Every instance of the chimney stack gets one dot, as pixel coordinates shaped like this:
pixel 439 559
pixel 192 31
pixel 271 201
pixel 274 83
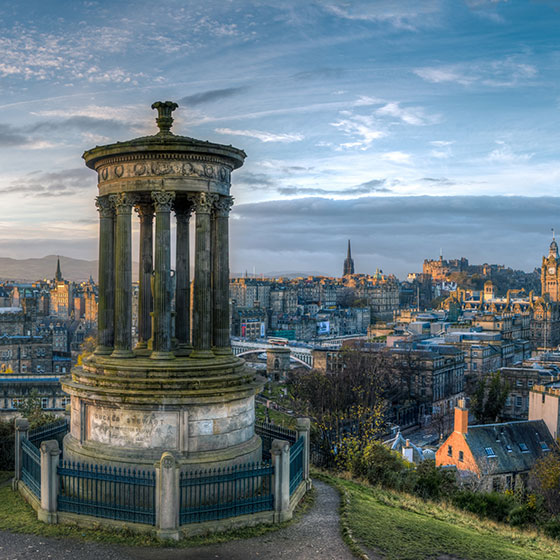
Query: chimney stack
pixel 461 417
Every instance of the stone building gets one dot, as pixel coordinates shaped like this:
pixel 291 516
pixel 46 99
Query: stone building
pixel 62 296
pixel 544 404
pixel 348 268
pixel 14 389
pixel 26 354
pixel 440 269
pixel 496 457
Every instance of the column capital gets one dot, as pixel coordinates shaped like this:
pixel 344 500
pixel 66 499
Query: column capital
pixel 223 206
pixel 144 209
pixel 163 200
pixel 123 202
pixel 104 207
pixel 203 202
pixel 183 209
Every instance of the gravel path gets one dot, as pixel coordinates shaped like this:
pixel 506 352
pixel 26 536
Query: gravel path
pixel 316 535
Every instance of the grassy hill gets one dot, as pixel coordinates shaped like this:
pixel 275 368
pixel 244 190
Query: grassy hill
pixel 396 526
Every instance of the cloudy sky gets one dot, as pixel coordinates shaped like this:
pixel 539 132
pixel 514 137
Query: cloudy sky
pixel 406 126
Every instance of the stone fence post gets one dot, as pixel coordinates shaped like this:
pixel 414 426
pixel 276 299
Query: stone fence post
pixel 22 429
pixel 50 453
pixel 303 428
pixel 167 497
pixel 280 451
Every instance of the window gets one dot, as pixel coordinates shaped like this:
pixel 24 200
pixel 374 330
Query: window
pixel 450 450
pixel 16 403
pixel 509 448
pixel 44 402
pixel 524 448
pixel 519 383
pixel 496 484
pixel 544 446
pixel 474 365
pixel 489 452
pixel 461 456
pixel 518 401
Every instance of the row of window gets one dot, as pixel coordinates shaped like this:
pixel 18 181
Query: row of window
pixel 17 402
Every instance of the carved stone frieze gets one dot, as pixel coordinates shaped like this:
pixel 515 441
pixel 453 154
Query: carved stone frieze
pixel 162 168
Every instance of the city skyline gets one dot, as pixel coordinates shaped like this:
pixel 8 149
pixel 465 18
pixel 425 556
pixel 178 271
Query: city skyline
pixel 387 124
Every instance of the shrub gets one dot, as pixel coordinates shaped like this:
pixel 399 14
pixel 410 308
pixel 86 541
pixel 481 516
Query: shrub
pixel 552 528
pixel 433 483
pixel 492 505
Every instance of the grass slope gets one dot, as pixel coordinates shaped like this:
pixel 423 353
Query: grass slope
pixel 402 527
pixel 17 516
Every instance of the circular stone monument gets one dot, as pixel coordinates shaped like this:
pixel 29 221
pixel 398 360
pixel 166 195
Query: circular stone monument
pixel 180 389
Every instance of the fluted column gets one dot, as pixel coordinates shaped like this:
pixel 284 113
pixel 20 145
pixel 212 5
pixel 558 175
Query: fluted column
pixel 145 304
pixel 183 210
pixel 106 296
pixel 220 275
pixel 202 315
pixel 123 276
pixel 162 276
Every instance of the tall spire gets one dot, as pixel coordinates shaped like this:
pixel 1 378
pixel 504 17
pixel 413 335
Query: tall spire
pixel 58 276
pixel 553 252
pixel 349 262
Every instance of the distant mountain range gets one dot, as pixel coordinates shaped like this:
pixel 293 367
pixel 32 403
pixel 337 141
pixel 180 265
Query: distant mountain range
pixel 30 270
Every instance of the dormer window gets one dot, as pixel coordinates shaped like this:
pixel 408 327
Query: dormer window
pixel 489 452
pixel 509 448
pixel 524 448
pixel 544 446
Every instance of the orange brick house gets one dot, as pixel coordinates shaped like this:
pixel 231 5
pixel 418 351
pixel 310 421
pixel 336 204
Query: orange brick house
pixel 495 456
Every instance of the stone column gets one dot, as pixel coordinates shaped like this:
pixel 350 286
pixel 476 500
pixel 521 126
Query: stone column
pixel 303 428
pixel 220 275
pixel 106 295
pixel 167 497
pixel 280 452
pixel 162 277
pixel 50 453
pixel 145 303
pixel 183 210
pixel 202 316
pixel 123 276
pixel 22 429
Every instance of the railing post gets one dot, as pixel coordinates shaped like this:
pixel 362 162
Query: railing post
pixel 50 452
pixel 167 497
pixel 22 429
pixel 280 451
pixel 303 427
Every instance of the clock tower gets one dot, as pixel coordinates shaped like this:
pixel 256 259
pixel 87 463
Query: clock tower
pixel 550 273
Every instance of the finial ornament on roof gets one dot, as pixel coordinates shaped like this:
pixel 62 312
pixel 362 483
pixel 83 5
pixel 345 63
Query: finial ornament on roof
pixel 164 119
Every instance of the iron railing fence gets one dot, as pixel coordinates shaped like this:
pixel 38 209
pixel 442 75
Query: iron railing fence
pixel 31 466
pixel 56 430
pixel 296 464
pixel 268 432
pixel 220 493
pixel 110 492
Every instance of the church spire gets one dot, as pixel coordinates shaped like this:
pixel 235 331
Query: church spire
pixel 349 262
pixel 553 246
pixel 58 276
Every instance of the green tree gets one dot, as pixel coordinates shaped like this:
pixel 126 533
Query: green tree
pixel 31 409
pixel 489 399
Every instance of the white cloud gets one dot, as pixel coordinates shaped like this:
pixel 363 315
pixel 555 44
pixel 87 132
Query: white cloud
pixel 362 128
pixel 396 157
pixel 263 136
pixel 442 142
pixel 404 14
pixel 507 72
pixel 504 154
pixel 414 115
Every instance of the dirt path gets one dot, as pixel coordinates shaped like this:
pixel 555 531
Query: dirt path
pixel 315 535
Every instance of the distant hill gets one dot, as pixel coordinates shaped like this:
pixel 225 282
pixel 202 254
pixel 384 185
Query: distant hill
pixel 30 270
pixel 277 274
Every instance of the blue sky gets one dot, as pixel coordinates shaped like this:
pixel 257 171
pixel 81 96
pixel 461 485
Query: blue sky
pixel 351 113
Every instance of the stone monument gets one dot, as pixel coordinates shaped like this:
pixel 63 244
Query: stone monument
pixel 180 389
